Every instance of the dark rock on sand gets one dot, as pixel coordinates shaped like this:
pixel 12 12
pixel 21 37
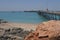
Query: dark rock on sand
pixel 13 34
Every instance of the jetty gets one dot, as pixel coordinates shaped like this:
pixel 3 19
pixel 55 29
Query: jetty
pixel 50 15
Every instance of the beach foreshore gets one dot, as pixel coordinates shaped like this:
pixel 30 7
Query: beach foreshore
pixel 15 31
pixel 25 26
pixel 22 31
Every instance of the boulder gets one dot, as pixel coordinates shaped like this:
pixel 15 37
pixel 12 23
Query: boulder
pixel 46 31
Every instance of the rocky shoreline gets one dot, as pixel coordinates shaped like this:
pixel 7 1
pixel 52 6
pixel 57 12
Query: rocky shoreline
pixel 13 34
pixel 15 31
pixel 46 31
pixel 18 31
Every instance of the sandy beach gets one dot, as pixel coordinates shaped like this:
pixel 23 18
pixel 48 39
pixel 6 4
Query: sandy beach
pixel 25 26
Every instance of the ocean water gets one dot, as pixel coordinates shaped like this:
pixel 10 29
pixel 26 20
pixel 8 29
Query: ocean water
pixel 22 17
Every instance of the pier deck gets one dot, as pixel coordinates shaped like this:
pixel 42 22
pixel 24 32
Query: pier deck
pixel 50 15
pixel 50 12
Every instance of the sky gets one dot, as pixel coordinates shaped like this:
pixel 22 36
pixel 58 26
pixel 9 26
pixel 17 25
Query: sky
pixel 21 5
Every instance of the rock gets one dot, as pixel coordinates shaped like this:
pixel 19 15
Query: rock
pixel 46 31
pixel 4 21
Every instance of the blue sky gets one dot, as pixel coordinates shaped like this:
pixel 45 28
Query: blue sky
pixel 21 5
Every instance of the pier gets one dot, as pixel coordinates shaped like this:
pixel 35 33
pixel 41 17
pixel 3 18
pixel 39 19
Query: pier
pixel 50 15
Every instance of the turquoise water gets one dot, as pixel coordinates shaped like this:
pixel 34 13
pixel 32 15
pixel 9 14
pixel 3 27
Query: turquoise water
pixel 22 17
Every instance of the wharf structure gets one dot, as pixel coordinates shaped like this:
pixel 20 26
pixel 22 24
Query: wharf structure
pixel 50 15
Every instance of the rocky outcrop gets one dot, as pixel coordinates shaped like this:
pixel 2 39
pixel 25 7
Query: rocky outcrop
pixel 46 31
pixel 13 34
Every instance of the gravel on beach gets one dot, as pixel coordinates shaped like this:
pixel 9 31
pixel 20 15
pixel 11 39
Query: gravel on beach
pixel 15 31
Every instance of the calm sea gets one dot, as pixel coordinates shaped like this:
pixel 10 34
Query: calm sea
pixel 22 17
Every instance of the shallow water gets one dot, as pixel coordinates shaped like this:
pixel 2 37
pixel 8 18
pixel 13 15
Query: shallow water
pixel 22 17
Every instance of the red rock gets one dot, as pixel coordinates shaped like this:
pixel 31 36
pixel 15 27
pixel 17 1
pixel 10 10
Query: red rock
pixel 46 31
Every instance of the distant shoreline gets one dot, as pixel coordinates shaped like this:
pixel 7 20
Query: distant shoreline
pixel 30 11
